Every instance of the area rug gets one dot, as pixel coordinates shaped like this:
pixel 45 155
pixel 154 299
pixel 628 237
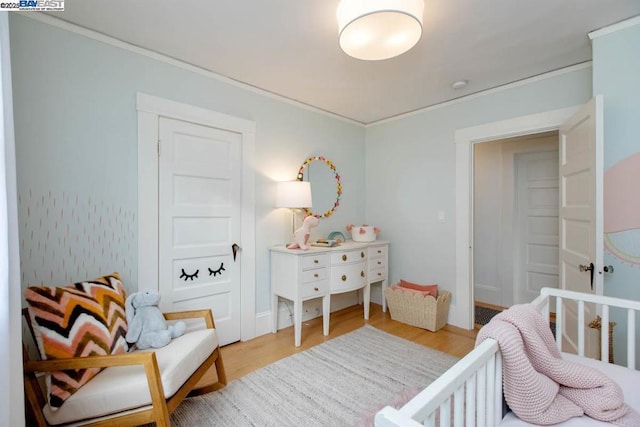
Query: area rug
pixel 337 383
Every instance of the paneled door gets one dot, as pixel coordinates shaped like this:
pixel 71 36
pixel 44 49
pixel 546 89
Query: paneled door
pixel 200 182
pixel 536 224
pixel 581 221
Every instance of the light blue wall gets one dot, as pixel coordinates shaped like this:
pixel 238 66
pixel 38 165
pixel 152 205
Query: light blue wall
pixel 76 138
pixel 616 76
pixel 410 171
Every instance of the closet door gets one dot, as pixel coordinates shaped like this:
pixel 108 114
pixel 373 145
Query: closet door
pixel 200 177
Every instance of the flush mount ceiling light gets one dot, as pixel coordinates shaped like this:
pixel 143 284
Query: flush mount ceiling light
pixel 379 29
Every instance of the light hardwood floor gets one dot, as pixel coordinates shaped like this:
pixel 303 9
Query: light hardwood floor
pixel 244 357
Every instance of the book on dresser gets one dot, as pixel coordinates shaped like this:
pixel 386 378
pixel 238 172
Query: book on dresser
pixel 324 243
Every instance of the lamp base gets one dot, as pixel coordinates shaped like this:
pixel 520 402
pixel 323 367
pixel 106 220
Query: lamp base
pixel 293 222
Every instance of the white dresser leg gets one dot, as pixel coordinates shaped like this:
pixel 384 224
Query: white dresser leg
pixel 367 300
pixel 274 312
pixel 326 306
pixel 297 322
pixel 383 286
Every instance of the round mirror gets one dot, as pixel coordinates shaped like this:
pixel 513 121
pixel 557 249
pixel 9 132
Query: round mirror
pixel 326 188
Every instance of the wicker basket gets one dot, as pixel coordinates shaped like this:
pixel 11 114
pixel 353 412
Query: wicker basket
pixel 418 310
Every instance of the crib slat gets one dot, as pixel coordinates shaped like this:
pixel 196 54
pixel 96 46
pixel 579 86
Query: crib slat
pixel 497 396
pixel 581 326
pixel 631 339
pixel 471 401
pixel 481 396
pixel 604 333
pixel 559 323
pixel 491 377
pixel 445 413
pixel 458 408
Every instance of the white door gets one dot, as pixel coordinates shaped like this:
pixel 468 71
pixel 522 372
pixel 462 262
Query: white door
pixel 536 224
pixel 200 173
pixel 581 221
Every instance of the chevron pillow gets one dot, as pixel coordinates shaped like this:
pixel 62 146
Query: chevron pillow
pixel 82 319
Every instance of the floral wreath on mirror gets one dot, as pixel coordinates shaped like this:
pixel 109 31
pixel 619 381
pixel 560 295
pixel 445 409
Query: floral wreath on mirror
pixel 329 163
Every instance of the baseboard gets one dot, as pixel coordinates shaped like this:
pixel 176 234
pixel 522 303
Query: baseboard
pixel 310 310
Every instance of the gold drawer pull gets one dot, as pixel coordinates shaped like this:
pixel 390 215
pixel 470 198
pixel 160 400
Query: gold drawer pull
pixel 379 262
pixel 316 275
pixel 361 254
pixel 379 274
pixel 315 261
pixel 344 277
pixel 344 257
pixel 379 251
pixel 362 274
pixel 316 289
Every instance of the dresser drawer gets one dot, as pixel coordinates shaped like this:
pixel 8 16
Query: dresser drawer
pixel 348 277
pixel 377 274
pixel 377 252
pixel 314 261
pixel 314 275
pixel 345 257
pixel 377 263
pixel 314 289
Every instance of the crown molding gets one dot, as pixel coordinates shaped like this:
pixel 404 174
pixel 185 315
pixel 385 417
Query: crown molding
pixel 497 89
pixel 103 38
pixel 627 23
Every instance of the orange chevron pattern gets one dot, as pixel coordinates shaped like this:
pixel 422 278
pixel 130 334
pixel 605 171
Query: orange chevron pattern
pixel 82 319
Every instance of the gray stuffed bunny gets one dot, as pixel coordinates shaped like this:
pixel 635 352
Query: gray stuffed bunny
pixel 147 326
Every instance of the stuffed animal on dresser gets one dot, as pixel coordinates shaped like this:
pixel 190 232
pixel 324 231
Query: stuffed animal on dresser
pixel 301 235
pixel 147 326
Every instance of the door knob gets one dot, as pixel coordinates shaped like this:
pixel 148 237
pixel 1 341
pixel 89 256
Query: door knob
pixel 235 248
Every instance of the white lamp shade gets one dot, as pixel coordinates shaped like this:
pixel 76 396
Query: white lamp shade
pixel 293 194
pixel 379 29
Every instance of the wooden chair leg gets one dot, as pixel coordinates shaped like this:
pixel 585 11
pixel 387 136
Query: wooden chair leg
pixel 33 414
pixel 221 378
pixel 222 375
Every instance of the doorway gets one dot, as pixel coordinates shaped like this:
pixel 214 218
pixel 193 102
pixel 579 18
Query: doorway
pixel 465 140
pixel 515 221
pixel 581 147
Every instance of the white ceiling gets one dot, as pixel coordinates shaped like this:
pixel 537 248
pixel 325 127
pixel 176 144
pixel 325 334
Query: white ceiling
pixel 290 47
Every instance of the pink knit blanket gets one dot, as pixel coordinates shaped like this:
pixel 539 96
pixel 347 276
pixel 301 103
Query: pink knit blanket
pixel 542 388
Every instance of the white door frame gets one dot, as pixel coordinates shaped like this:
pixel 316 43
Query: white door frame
pixel 465 139
pixel 150 109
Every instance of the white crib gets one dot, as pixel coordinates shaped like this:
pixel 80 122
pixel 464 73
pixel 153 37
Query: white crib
pixel 470 392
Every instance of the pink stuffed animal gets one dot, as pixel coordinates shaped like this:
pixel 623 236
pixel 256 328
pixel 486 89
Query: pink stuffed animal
pixel 301 235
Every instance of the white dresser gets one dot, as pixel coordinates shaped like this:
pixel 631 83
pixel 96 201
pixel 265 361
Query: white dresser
pixel 299 276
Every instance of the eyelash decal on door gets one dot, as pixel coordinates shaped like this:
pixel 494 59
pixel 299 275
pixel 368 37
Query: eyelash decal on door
pixel 189 276
pixel 218 271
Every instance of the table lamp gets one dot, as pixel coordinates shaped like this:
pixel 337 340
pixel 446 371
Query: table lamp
pixel 293 195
